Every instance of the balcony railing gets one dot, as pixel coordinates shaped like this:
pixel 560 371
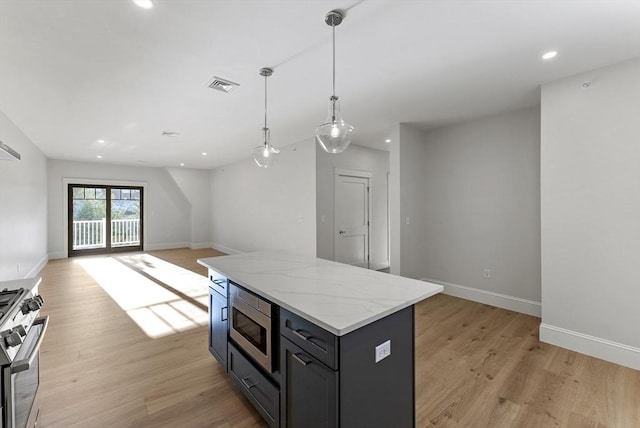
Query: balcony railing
pixel 91 233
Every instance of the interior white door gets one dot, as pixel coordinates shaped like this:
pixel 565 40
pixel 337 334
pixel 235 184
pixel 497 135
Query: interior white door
pixel 351 239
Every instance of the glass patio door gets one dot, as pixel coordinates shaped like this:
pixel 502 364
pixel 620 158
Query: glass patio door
pixel 104 219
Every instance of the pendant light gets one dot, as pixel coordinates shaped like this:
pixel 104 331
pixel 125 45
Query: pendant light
pixel 265 154
pixel 334 135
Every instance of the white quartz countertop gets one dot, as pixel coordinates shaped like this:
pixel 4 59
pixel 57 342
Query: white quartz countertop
pixel 29 284
pixel 337 297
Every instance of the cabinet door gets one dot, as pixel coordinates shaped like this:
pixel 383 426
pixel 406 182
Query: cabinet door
pixel 309 394
pixel 218 326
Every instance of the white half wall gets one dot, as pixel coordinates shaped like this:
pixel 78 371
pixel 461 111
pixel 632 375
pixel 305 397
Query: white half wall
pixel 481 193
pixel 394 200
pixel 361 159
pixel 406 208
pixel 257 209
pixel 167 212
pixel 23 206
pixel 590 202
pixel 196 187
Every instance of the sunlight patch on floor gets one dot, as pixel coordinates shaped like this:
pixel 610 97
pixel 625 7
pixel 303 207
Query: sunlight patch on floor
pixel 155 309
pixel 183 280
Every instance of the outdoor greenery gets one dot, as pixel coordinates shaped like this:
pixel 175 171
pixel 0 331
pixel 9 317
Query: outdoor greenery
pixel 89 209
pixel 91 204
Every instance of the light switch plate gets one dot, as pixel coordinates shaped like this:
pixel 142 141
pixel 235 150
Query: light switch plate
pixel 383 351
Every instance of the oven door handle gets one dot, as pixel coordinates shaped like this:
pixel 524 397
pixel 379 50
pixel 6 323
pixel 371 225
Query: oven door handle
pixel 25 364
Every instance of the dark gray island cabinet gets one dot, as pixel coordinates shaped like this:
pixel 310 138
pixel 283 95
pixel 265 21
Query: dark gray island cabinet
pixel 340 339
pixel 330 381
pixel 218 317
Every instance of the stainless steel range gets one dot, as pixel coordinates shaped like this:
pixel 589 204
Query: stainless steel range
pixel 21 333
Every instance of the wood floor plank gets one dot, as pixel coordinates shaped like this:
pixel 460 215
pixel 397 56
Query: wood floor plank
pixel 476 366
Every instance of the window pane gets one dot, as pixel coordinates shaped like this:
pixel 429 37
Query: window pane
pixel 126 194
pixel 101 193
pixel 115 193
pixel 135 194
pixel 78 193
pixel 89 193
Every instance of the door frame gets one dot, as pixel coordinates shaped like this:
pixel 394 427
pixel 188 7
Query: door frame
pixel 91 181
pixel 358 174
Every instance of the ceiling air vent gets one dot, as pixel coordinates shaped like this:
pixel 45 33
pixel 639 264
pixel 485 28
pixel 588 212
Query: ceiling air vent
pixel 221 84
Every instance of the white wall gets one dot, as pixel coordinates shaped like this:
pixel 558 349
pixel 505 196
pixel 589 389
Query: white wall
pixel 23 206
pixel 407 201
pixel 590 199
pixel 482 208
pixel 254 209
pixel 361 159
pixel 395 226
pixel 167 212
pixel 195 184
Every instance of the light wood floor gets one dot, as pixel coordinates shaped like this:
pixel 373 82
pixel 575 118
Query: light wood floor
pixel 476 366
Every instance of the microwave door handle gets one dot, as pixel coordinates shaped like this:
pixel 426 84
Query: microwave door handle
pixel 25 364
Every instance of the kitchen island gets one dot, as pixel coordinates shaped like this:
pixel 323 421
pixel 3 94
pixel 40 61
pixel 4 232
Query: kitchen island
pixel 30 284
pixel 340 341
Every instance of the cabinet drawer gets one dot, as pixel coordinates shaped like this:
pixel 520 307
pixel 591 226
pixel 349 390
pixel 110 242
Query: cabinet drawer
pixel 264 396
pixel 218 282
pixel 315 340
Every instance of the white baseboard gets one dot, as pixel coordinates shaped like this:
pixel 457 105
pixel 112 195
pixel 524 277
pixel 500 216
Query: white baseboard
pixel 200 245
pixel 378 265
pixel 524 306
pixel 38 267
pixel 166 246
pixel 607 350
pixel 58 255
pixel 225 250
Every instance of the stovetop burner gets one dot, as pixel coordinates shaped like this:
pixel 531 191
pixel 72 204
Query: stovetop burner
pixel 7 299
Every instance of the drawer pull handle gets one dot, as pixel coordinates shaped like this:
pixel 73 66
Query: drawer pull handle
pixel 224 317
pixel 315 341
pixel 246 383
pixel 300 360
pixel 301 335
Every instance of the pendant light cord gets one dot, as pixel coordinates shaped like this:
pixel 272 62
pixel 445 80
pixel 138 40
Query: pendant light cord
pixel 333 26
pixel 265 102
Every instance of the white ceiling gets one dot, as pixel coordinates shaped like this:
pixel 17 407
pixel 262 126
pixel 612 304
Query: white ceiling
pixel 75 71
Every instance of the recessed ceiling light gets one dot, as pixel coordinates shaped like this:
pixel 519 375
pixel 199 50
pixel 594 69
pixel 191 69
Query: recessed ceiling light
pixel 100 141
pixel 204 153
pixel 181 163
pixel 99 156
pixel 388 140
pixel 549 55
pixel 145 4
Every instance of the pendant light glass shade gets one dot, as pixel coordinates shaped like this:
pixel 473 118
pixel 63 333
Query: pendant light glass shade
pixel 265 155
pixel 335 135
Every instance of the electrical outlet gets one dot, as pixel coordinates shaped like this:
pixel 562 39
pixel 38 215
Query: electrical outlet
pixel 408 220
pixel 383 351
pixel 487 274
pixel 323 219
pixel 18 267
pixel 299 219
